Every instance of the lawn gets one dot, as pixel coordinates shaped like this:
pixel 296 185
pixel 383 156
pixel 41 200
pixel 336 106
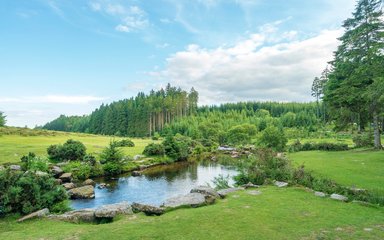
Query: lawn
pixel 359 168
pixel 14 146
pixel 290 213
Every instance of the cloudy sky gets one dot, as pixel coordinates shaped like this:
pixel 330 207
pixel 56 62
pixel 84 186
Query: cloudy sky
pixel 67 57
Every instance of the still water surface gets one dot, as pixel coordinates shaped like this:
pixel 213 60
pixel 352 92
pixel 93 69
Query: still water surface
pixel 156 184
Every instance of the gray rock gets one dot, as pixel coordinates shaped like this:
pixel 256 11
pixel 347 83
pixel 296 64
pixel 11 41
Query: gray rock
pixel 66 177
pixel 58 181
pixel 77 216
pixel 40 173
pixel 205 190
pixel 57 171
pixel 15 167
pixel 254 192
pixel 339 197
pixel 320 194
pixel 2 168
pixel 102 185
pixel 281 184
pixel 111 210
pixel 250 185
pixel 84 192
pixel 147 209
pixel 136 173
pixel 38 214
pixel 69 186
pixel 192 199
pixel 224 192
pixel 89 182
pixel 138 157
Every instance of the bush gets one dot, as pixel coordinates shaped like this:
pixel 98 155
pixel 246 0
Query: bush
pixel 177 147
pixel 124 143
pixel 27 192
pixel 111 153
pixel 156 136
pixel 323 146
pixel 154 149
pixel 70 150
pixel 363 140
pixel 112 168
pixel 221 182
pixel 33 163
pixel 274 138
pixel 90 159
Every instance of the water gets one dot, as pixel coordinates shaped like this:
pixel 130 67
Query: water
pixel 156 184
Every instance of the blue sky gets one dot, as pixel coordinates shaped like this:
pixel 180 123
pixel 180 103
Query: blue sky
pixel 62 56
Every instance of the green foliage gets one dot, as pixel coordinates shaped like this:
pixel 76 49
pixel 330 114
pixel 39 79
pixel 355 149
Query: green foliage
pixel 83 170
pixel 221 182
pixel 363 140
pixel 70 150
pixel 177 147
pixel 154 149
pixel 27 192
pixel 321 146
pixel 34 163
pixel 274 138
pixel 3 121
pixel 241 134
pixel 124 143
pixel 61 207
pixel 90 159
pixel 111 153
pixel 112 168
pixel 156 136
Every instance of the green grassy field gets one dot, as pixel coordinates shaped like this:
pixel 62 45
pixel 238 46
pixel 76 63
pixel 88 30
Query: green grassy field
pixel 359 168
pixel 14 146
pixel 289 213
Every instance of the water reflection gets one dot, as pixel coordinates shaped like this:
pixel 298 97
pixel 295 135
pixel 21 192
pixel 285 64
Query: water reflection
pixel 156 184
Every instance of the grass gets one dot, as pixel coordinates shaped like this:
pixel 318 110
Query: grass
pixel 290 213
pixel 13 146
pixel 355 168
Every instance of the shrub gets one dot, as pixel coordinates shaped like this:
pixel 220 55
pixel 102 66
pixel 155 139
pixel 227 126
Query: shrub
pixel 90 159
pixel 221 182
pixel 70 150
pixel 111 153
pixel 323 146
pixel 61 207
pixel 156 136
pixel 27 192
pixel 34 163
pixel 274 138
pixel 154 149
pixel 363 140
pixel 124 143
pixel 177 147
pixel 112 168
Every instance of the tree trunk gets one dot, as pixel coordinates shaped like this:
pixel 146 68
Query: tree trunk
pixel 376 131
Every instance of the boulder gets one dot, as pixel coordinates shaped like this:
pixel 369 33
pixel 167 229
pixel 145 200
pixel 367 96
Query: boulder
pixel 147 209
pixel 2 168
pixel 77 216
pixel 136 173
pixel 58 181
pixel 84 192
pixel 38 214
pixel 57 171
pixel 224 192
pixel 102 185
pixel 320 194
pixel 138 157
pixel 66 177
pixel 111 210
pixel 205 190
pixel 254 192
pixel 69 186
pixel 192 200
pixel 281 184
pixel 250 185
pixel 339 197
pixel 89 182
pixel 15 167
pixel 40 173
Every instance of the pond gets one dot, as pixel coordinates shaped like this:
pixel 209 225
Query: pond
pixel 156 184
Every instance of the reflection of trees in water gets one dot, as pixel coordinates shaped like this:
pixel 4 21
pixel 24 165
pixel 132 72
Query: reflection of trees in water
pixel 171 172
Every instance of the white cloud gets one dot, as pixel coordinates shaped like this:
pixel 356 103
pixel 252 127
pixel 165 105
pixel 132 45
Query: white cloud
pixel 130 17
pixel 60 99
pixel 266 66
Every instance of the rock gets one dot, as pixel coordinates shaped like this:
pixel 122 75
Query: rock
pixel 57 171
pixel 254 192
pixel 102 185
pixel 15 167
pixel 281 184
pixel 250 185
pixel 226 148
pixel 77 216
pixel 40 173
pixel 147 209
pixel 2 168
pixel 358 190
pixel 224 192
pixel 89 182
pixel 205 190
pixel 69 186
pixel 138 157
pixel 66 177
pixel 58 181
pixel 60 164
pixel 84 192
pixel 192 200
pixel 111 210
pixel 320 194
pixel 136 173
pixel 339 197
pixel 38 214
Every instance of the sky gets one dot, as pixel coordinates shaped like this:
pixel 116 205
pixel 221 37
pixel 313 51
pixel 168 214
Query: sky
pixel 68 57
